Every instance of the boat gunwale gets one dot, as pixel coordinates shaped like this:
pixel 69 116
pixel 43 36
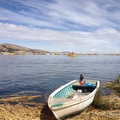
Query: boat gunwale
pixel 60 88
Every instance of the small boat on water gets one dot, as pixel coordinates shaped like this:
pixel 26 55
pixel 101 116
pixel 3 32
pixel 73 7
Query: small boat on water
pixel 72 54
pixel 72 98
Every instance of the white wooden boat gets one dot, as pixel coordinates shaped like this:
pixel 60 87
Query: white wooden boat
pixel 72 98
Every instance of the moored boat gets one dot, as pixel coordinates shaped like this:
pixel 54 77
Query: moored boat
pixel 72 98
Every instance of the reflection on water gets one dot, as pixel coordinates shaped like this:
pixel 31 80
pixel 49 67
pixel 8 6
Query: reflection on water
pixel 40 75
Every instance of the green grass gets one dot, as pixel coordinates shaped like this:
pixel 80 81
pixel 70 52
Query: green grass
pixel 115 85
pixel 100 103
pixel 104 102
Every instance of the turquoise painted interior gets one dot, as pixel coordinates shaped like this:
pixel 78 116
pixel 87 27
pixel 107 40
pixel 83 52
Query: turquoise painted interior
pixel 65 92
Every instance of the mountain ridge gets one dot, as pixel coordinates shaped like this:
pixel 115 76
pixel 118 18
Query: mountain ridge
pixel 6 47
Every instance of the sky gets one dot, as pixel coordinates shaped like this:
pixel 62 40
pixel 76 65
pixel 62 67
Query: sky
pixel 81 26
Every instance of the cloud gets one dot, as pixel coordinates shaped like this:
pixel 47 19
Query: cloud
pixel 60 14
pixel 19 32
pixel 75 24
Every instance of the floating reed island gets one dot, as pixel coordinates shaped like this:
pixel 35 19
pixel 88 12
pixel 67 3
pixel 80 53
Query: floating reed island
pixel 106 106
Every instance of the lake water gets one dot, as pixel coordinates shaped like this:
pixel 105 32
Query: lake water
pixel 42 74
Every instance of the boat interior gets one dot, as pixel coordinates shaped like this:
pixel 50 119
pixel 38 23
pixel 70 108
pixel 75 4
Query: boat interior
pixel 84 89
pixel 72 89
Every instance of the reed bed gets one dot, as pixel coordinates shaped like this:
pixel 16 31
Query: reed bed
pixel 97 115
pixel 24 108
pixel 18 112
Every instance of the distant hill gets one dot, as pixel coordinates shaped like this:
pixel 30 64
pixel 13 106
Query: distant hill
pixel 13 48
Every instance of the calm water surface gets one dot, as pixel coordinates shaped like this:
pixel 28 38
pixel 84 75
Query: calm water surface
pixel 38 75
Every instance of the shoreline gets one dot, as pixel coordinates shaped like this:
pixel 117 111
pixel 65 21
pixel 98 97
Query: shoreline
pixel 30 108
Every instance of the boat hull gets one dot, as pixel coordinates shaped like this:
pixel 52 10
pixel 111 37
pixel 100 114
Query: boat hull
pixel 73 109
pixel 64 107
